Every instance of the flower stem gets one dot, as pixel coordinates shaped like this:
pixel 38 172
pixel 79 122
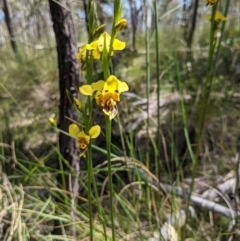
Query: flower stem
pixel 158 74
pixel 89 157
pixel 93 182
pixel 108 142
pixel 147 59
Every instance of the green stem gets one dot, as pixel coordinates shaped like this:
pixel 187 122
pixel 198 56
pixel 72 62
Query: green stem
pixel 209 77
pixel 158 73
pixel 221 36
pixel 108 142
pixel 60 162
pixel 147 83
pixel 148 109
pixel 92 179
pixel 88 124
pixel 90 192
pixel 189 147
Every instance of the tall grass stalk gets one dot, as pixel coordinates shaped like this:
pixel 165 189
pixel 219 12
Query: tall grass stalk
pixel 158 77
pixel 89 191
pixel 185 125
pixel 221 36
pixel 208 83
pixel 108 123
pixel 91 179
pixel 147 56
pixel 88 125
pixel 157 145
pixel 60 162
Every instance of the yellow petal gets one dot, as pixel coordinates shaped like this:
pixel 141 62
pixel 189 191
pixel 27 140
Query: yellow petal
pixel 86 90
pixel 104 38
pixel 82 53
pixel 94 132
pixel 82 48
pixel 218 17
pixel 107 36
pixel 78 56
pixel 92 45
pixel 98 85
pixel 111 85
pixel 82 134
pixel 73 130
pixel 122 86
pixel 118 45
pixel 96 54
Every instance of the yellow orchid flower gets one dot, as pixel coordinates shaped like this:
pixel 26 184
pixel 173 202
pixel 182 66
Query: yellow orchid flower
pixel 106 94
pixel 98 45
pixel 111 94
pixel 82 138
pixel 218 17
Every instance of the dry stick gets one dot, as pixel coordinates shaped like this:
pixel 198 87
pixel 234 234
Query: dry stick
pixel 199 201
